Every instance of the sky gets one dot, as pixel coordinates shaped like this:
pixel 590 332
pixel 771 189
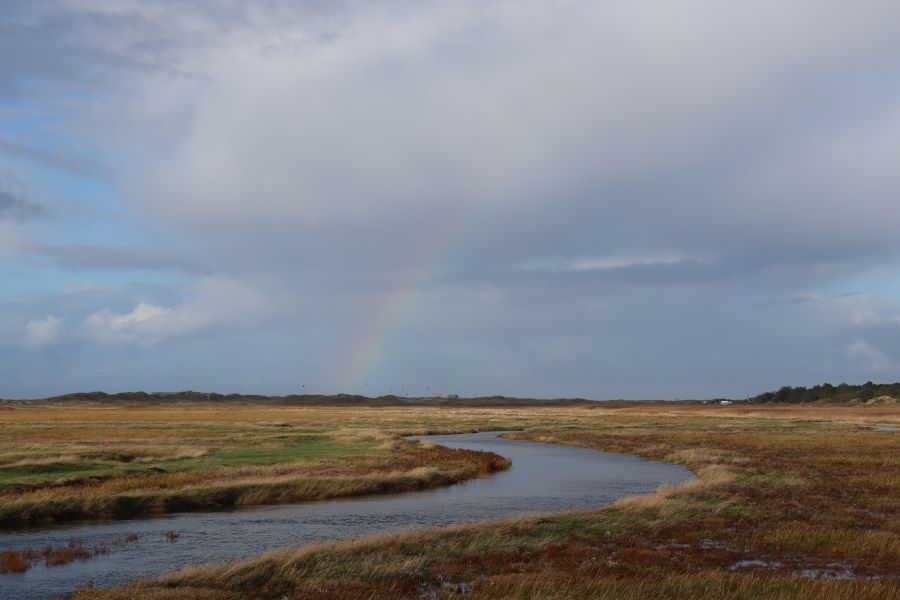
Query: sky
pixel 599 199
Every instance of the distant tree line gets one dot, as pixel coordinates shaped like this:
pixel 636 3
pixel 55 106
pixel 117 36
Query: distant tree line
pixel 842 392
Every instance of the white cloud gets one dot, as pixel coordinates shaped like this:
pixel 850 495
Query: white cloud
pixel 606 263
pixel 143 324
pixel 216 302
pixel 43 332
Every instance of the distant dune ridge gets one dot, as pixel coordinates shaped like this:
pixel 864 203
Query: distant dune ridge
pixel 867 393
pixel 298 399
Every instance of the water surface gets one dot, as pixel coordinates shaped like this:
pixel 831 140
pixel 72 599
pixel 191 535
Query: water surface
pixel 543 477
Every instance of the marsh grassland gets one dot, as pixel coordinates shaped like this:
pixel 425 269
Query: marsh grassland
pixel 62 464
pixel 790 502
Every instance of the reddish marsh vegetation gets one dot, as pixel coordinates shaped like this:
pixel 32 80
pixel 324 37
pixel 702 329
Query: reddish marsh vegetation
pixel 13 561
pixel 19 561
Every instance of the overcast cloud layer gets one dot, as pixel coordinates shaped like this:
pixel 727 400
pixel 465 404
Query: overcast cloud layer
pixel 599 199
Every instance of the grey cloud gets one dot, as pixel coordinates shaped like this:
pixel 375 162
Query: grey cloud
pixel 48 45
pixel 82 257
pixel 493 146
pixel 72 163
pixel 16 207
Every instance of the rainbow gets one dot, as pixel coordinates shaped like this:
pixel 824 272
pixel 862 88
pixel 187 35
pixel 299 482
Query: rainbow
pixel 398 300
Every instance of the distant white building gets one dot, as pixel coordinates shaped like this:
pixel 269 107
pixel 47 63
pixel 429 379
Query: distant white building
pixel 725 402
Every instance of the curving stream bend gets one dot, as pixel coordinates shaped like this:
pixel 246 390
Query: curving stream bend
pixel 543 477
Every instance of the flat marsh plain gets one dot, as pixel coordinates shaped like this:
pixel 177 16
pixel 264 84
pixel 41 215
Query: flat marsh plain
pixel 790 501
pixel 62 464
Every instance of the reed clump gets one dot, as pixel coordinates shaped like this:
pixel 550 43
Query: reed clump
pixel 19 561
